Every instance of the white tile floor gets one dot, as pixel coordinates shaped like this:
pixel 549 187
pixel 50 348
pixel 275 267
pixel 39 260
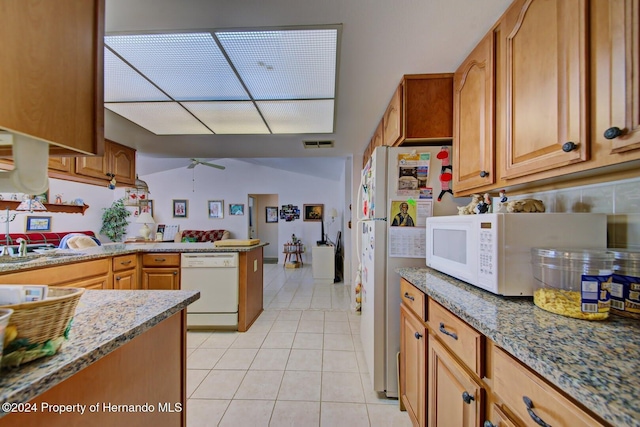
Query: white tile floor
pixel 300 364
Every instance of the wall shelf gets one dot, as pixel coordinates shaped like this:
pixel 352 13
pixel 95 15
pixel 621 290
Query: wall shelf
pixel 51 207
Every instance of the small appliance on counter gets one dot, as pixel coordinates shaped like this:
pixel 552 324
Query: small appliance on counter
pixel 493 251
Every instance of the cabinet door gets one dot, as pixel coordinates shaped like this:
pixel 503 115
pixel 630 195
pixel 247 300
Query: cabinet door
pixel 413 351
pixel 94 167
pixel 455 399
pixel 545 85
pixel 161 278
pixel 615 37
pixel 392 119
pixel 497 418
pixel 126 279
pixel 121 162
pixel 51 79
pixel 378 137
pixel 473 119
pixel 61 164
pixel 95 283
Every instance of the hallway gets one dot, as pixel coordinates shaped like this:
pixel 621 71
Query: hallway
pixel 300 364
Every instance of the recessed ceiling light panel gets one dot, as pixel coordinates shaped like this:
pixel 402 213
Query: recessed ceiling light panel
pixel 187 66
pixel 229 117
pixel 291 64
pixel 161 118
pixel 122 83
pixel 298 116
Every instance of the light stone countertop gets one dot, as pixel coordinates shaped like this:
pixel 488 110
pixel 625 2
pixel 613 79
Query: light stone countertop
pixel 113 249
pixel 595 362
pixel 104 321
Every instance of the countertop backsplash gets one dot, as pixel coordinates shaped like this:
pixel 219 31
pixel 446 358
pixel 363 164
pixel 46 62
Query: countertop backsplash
pixel 620 200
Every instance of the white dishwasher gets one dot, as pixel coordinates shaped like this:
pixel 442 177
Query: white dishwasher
pixel 215 275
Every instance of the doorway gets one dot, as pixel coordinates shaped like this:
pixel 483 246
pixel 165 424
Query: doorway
pixel 260 228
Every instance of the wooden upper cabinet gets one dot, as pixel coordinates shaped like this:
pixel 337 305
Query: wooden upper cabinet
pixel 51 78
pixel 61 164
pixel 545 85
pixel 473 119
pixel 615 41
pixel 378 138
pixel 118 159
pixel 392 119
pixel 421 110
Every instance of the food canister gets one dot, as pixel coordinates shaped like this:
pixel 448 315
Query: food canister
pixel 573 282
pixel 625 286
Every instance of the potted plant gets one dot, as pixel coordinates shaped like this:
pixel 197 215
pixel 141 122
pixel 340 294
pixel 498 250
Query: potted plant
pixel 114 221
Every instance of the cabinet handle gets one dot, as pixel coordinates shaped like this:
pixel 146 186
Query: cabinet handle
pixel 444 331
pixel 117 277
pixel 488 424
pixel 569 146
pixel 125 262
pixel 532 414
pixel 417 335
pixel 613 132
pixel 409 297
pixel 467 398
pixel 160 259
pixel 175 273
pixel 484 174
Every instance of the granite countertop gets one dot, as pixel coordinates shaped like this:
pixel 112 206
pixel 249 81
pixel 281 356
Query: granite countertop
pixel 104 321
pixel 595 362
pixel 66 256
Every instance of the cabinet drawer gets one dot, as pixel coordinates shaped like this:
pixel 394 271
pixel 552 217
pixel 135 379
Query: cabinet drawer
pixel 161 260
pixel 513 382
pixel 413 298
pixel 124 262
pixel 464 341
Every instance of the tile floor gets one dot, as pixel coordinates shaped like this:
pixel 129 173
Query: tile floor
pixel 300 364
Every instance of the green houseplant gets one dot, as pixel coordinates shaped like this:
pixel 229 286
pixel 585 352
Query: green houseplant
pixel 114 221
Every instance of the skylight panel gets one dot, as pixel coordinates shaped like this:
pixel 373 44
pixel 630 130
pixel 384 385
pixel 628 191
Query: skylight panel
pixel 122 83
pixel 161 118
pixel 314 116
pixel 187 66
pixel 291 64
pixel 229 117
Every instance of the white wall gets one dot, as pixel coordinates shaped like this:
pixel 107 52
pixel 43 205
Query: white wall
pixel 233 185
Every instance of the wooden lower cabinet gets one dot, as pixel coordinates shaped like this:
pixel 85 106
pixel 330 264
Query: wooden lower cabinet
pixel 125 271
pixel 161 271
pixel 455 398
pixel 250 292
pixel 413 353
pixel 161 278
pixel 94 274
pixel 497 418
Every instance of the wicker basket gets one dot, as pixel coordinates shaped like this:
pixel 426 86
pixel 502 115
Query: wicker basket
pixel 41 326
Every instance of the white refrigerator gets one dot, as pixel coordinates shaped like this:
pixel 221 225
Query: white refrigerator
pixel 399 188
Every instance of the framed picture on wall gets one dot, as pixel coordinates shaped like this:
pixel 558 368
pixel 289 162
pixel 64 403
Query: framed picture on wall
pixel 180 208
pixel 146 206
pixel 272 213
pixel 236 209
pixel 216 209
pixel 38 223
pixel 313 212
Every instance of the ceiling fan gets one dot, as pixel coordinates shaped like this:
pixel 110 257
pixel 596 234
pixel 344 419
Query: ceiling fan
pixel 196 162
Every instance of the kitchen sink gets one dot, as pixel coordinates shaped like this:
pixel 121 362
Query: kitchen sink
pixel 36 257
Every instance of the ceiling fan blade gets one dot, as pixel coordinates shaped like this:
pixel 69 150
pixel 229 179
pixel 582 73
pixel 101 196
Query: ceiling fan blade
pixel 213 165
pixel 192 165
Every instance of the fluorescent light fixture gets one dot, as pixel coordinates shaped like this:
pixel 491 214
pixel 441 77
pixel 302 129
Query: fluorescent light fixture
pixel 225 82
pixel 161 118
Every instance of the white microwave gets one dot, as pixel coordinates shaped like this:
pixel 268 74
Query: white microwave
pixel 493 251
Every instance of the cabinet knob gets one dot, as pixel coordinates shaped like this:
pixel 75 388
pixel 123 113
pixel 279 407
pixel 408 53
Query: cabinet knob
pixel 569 146
pixel 529 404
pixel 613 132
pixel 484 174
pixel 175 273
pixel 488 424
pixel 467 398
pixel 117 277
pixel 417 335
